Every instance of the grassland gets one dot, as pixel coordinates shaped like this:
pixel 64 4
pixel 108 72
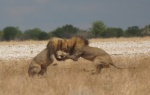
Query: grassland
pixel 70 78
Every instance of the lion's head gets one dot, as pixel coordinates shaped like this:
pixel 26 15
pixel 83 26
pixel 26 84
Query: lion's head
pixel 76 42
pixel 56 44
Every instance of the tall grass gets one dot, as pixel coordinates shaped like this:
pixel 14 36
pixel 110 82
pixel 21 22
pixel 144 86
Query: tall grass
pixel 69 78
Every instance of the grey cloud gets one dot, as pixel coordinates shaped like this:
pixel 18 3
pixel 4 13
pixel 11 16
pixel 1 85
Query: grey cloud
pixel 49 14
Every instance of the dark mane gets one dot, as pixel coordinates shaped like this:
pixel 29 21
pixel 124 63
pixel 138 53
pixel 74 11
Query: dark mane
pixel 86 42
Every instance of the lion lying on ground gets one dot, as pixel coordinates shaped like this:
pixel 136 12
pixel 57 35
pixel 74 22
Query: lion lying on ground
pixel 46 57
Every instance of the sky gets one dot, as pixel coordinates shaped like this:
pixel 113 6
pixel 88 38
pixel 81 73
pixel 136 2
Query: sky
pixel 50 14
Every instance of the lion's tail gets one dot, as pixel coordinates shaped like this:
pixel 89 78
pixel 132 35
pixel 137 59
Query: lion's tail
pixel 121 67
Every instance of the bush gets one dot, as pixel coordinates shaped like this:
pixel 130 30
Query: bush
pixel 133 31
pixel 31 34
pixel 43 36
pixel 11 33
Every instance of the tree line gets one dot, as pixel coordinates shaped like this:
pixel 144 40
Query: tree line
pixel 98 30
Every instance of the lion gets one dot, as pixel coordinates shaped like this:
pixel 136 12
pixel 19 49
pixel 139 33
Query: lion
pixel 75 42
pixel 56 46
pixel 99 57
pixel 41 61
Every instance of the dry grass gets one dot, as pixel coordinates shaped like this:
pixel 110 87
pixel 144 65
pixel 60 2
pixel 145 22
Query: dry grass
pixel 69 78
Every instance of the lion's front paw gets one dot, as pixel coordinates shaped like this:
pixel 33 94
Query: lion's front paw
pixel 41 73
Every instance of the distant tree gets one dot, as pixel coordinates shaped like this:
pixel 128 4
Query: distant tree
pixel 98 28
pixel 43 36
pixel 50 34
pixel 65 31
pixel 146 30
pixel 11 33
pixel 113 32
pixel 133 31
pixel 32 34
pixel 1 35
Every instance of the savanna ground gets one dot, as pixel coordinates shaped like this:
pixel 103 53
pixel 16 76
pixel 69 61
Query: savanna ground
pixel 70 78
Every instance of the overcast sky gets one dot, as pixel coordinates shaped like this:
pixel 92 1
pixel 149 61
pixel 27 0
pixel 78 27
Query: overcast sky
pixel 50 14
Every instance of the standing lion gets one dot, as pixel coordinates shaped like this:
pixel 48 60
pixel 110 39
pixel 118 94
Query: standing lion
pixel 99 57
pixel 46 57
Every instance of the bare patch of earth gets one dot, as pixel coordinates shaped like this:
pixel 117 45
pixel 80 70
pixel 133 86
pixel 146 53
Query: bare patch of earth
pixel 28 51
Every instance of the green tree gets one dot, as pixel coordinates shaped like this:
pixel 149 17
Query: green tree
pixel 11 33
pixel 113 32
pixel 50 34
pixel 1 35
pixel 32 34
pixel 66 31
pixel 146 30
pixel 43 36
pixel 98 28
pixel 133 31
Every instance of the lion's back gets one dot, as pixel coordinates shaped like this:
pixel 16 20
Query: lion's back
pixel 92 53
pixel 41 57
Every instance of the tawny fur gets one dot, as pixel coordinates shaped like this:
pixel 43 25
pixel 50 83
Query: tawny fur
pixel 46 57
pixel 56 44
pixel 76 42
pixel 99 57
pixel 40 63
pixel 79 47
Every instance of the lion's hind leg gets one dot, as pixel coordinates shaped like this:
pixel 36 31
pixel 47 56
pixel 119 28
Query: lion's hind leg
pixel 34 68
pixel 99 65
pixel 97 69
